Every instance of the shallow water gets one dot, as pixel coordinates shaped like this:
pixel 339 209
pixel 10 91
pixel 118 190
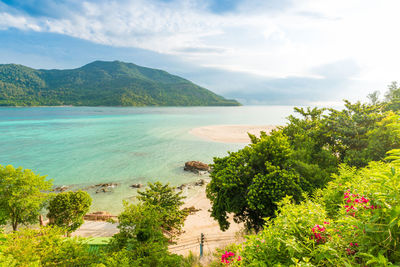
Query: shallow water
pixel 81 146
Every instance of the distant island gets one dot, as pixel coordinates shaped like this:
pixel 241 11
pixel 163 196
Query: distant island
pixel 101 83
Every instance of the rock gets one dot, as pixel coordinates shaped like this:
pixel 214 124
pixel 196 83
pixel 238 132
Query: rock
pixel 196 166
pixel 106 185
pixel 103 190
pixel 191 210
pixel 61 188
pixel 182 186
pixel 200 182
pixel 136 186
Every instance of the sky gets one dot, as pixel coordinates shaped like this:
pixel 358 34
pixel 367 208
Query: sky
pixel 294 52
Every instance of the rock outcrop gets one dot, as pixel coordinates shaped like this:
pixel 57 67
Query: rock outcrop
pixel 196 167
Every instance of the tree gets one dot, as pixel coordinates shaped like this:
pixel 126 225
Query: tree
pixel 140 241
pixel 374 97
pixel 168 203
pixel 248 183
pixel 66 210
pixel 352 131
pixel 22 195
pixel 309 139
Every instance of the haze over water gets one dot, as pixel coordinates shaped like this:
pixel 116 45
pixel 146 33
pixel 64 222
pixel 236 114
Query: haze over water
pixel 83 146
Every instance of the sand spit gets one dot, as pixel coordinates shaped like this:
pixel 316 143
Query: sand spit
pixel 230 133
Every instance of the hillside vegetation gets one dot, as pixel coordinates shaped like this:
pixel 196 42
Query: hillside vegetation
pixel 101 83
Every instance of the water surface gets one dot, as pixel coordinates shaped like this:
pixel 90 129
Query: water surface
pixel 81 146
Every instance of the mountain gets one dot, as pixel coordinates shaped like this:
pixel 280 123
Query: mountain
pixel 101 83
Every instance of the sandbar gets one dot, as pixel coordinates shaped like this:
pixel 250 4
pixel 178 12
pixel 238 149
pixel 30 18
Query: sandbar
pixel 230 133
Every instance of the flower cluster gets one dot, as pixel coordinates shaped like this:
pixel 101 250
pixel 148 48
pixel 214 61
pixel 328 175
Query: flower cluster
pixel 318 233
pixel 229 257
pixel 354 202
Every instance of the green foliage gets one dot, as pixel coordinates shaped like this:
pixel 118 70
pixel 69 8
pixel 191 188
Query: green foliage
pixel 168 203
pixel 349 130
pixel 44 247
pixel 355 221
pixel 392 97
pixel 141 241
pixel 101 84
pixel 22 195
pixel 66 210
pixel 312 157
pixel 248 183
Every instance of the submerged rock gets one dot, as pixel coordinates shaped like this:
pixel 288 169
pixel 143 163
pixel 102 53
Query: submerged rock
pixel 61 188
pixel 103 188
pixel 196 167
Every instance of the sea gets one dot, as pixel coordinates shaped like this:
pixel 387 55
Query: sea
pixel 83 146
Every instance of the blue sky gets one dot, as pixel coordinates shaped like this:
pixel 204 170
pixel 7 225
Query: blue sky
pixel 301 52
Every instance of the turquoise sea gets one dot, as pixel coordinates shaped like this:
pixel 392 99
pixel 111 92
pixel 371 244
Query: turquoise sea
pixel 82 146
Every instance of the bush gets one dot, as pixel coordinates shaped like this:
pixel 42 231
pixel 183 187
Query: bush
pixel 141 241
pixel 354 221
pixel 44 247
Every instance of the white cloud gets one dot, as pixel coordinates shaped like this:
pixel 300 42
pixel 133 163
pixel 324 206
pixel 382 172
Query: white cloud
pixel 285 43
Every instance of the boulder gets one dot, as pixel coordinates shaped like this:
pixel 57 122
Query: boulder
pixel 196 167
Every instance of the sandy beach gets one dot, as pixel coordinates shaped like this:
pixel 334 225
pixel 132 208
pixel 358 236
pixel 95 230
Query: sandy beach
pixel 201 222
pixel 230 133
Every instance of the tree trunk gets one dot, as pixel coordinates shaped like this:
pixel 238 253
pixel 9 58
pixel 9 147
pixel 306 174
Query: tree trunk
pixel 14 226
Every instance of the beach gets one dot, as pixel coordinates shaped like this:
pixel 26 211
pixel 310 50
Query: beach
pixel 230 133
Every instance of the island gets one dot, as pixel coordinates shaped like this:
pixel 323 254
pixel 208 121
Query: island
pixel 101 83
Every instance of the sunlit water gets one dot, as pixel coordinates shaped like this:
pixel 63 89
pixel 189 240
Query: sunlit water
pixel 82 146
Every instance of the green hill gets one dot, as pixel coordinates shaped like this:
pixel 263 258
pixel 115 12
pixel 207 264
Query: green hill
pixel 101 83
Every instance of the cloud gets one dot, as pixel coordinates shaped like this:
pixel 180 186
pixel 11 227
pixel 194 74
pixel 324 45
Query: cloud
pixel 281 46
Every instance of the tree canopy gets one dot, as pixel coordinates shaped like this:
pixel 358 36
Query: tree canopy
pixel 66 210
pixel 22 195
pixel 168 203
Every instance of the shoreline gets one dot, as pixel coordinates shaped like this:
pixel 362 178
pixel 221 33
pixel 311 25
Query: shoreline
pixel 230 133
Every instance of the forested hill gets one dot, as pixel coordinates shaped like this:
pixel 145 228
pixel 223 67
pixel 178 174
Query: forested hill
pixel 101 83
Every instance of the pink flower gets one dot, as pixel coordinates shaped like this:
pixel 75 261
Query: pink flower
pixel 239 258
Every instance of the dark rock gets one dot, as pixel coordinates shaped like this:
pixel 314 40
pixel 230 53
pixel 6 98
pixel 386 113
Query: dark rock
pixel 136 186
pixel 196 167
